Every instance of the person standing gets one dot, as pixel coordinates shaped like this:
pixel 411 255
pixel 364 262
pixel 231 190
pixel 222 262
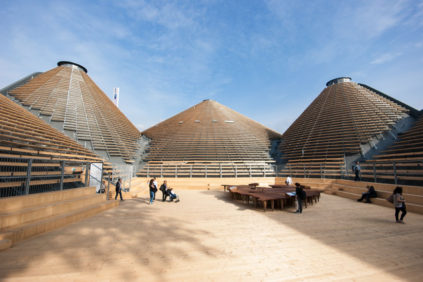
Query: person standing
pixel 288 181
pixel 163 188
pixel 119 189
pixel 399 204
pixel 299 191
pixel 357 170
pixel 153 189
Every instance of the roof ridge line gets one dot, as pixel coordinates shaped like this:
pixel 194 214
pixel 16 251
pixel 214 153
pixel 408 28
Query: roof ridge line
pixel 413 112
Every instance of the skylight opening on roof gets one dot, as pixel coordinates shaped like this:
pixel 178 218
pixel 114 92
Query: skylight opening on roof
pixel 229 121
pixel 214 120
pixel 181 122
pixel 197 121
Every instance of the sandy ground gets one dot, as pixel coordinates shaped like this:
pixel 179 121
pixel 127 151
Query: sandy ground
pixel 208 237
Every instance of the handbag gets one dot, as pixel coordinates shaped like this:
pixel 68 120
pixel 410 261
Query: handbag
pixel 390 198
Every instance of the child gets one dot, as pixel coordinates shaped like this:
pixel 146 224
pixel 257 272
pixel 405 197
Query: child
pixel 399 204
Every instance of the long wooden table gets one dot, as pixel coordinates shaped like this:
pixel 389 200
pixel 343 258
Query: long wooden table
pixel 280 197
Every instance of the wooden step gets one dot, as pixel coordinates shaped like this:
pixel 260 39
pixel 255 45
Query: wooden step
pixel 5 244
pixel 15 218
pixel 20 202
pixel 407 189
pixel 411 198
pixel 53 222
pixel 347 193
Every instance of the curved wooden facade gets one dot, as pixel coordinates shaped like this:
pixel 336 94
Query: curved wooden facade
pixel 66 95
pixel 344 116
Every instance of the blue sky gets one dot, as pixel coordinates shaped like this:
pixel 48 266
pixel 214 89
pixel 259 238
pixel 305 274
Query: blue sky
pixel 265 59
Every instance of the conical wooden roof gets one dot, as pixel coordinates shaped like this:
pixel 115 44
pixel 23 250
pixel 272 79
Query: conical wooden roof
pixel 210 131
pixel 344 116
pixel 69 99
pixel 23 134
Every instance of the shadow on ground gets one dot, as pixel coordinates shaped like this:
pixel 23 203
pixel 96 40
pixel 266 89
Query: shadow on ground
pixel 366 232
pixel 208 236
pixel 149 243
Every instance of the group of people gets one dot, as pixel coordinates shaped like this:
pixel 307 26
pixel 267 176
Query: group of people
pixel 396 198
pixel 166 191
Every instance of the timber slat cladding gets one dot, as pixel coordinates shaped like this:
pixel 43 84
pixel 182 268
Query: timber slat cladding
pixel 67 94
pixel 210 137
pixel 409 146
pixel 22 132
pixel 341 118
pixel 209 131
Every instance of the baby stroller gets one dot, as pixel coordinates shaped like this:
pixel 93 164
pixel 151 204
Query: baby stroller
pixel 172 195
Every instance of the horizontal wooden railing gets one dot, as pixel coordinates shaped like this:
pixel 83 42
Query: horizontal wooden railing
pixel 23 175
pixel 385 171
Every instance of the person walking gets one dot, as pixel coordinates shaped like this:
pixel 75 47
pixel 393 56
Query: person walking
pixel 399 204
pixel 153 189
pixel 119 189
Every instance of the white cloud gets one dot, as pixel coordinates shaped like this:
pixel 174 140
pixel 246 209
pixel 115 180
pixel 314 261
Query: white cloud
pixel 384 58
pixel 169 15
pixel 168 55
pixel 375 17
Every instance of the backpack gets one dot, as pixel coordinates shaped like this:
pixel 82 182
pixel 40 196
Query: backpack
pixel 390 198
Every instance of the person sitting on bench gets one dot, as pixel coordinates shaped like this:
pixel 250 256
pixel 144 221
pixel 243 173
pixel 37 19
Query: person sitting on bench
pixel 371 193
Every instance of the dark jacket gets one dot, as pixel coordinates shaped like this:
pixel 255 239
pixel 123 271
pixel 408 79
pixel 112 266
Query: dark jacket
pixel 153 187
pixel 118 188
pixel 372 192
pixel 300 193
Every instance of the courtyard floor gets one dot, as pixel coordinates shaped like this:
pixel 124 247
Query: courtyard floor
pixel 208 237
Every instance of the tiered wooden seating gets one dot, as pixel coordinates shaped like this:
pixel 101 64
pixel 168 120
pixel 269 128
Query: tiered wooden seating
pixel 353 190
pixel 329 167
pixel 341 118
pixel 67 94
pixel 405 156
pixel 23 136
pixel 208 133
pixel 206 169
